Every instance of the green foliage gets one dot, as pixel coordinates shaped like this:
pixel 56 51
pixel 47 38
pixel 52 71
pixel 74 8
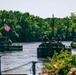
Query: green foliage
pixel 74 43
pixel 0 34
pixel 61 62
pixel 31 27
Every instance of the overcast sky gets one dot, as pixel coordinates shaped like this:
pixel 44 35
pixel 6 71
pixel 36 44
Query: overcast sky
pixel 41 8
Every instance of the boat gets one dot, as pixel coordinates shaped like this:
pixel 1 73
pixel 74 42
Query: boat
pixel 73 43
pixel 7 45
pixel 47 49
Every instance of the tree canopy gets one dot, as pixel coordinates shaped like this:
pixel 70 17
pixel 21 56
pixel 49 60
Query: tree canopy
pixel 30 28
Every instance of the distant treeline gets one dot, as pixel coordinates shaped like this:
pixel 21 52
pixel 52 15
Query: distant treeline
pixel 30 28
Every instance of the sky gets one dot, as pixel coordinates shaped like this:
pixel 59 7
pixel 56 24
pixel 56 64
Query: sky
pixel 41 8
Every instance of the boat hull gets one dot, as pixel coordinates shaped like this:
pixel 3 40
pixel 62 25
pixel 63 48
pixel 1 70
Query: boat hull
pixel 48 52
pixel 11 48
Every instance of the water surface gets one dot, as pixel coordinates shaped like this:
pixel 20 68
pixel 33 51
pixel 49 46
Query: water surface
pixel 21 61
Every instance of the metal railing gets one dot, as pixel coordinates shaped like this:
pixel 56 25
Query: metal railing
pixel 33 68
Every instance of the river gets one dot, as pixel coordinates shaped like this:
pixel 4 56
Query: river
pixel 21 61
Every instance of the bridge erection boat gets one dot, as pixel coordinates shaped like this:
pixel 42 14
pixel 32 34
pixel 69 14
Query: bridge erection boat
pixel 7 45
pixel 48 47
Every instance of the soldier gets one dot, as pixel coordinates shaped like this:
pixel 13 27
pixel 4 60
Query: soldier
pixel 59 41
pixel 52 40
pixel 59 38
pixel 9 41
pixel 45 39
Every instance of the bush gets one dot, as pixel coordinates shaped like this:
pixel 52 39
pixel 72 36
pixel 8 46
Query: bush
pixel 61 63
